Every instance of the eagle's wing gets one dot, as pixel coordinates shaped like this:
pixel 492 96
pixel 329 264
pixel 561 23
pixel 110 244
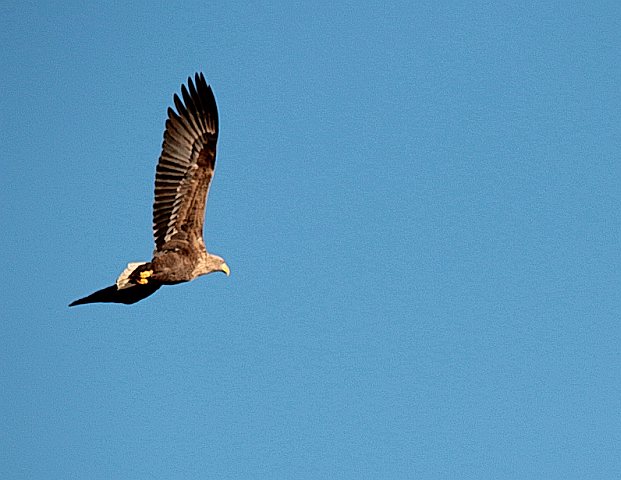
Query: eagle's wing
pixel 186 164
pixel 112 294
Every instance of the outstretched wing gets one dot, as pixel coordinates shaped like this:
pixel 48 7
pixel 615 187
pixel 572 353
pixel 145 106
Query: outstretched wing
pixel 186 165
pixel 112 294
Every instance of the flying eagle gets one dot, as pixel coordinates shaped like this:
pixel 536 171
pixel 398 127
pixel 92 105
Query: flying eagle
pixel 182 179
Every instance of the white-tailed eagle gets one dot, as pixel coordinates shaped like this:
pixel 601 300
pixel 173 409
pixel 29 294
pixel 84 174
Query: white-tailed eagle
pixel 182 177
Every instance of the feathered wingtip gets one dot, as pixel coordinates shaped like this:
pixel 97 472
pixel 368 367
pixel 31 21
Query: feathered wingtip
pixel 198 102
pixel 112 294
pixel 104 295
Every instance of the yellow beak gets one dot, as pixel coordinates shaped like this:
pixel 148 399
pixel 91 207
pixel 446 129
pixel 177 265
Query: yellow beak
pixel 226 269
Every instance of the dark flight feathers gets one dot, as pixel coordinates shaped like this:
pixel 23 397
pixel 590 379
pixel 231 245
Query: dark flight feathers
pixel 113 295
pixel 187 162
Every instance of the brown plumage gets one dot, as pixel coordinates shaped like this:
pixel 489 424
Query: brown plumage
pixel 182 178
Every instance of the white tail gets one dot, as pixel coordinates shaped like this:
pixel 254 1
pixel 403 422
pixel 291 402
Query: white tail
pixel 123 280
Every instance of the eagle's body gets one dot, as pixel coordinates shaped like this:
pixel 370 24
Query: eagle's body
pixel 182 180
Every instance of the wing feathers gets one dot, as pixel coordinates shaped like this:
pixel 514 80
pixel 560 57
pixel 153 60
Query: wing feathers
pixel 186 164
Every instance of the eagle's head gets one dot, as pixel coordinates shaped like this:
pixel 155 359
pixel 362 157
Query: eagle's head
pixel 214 263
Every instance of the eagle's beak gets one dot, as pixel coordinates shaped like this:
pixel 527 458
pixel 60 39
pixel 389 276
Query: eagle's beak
pixel 226 269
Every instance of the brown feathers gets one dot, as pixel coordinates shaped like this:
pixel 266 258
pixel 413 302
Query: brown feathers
pixel 187 162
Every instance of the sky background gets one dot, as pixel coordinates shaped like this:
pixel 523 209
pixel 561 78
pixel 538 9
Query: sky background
pixel 419 203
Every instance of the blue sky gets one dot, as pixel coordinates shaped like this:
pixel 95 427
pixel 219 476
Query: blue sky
pixel 419 203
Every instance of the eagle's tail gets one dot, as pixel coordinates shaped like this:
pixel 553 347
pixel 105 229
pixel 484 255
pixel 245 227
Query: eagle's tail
pixel 124 280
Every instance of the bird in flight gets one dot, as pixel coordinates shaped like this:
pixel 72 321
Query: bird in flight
pixel 182 177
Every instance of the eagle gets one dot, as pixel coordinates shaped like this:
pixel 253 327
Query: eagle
pixel 182 178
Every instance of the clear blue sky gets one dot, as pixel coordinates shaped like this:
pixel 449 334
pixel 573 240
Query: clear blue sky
pixel 419 203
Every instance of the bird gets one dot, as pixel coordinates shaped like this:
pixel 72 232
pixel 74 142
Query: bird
pixel 182 179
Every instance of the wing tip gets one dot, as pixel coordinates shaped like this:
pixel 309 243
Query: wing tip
pixel 197 105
